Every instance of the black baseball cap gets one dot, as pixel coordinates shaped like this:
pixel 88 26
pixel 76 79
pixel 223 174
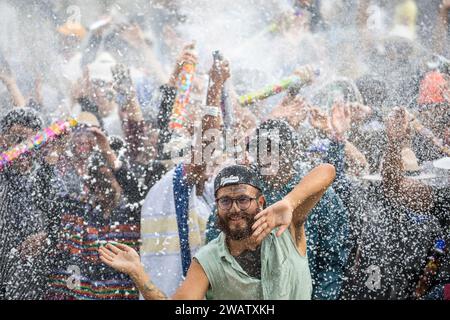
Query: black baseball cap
pixel 237 174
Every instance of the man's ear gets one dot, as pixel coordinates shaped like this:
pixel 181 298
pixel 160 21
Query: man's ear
pixel 261 201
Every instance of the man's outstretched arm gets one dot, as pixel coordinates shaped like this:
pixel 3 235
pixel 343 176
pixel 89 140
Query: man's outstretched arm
pixel 293 209
pixel 413 194
pixel 125 259
pixel 309 191
pixel 7 77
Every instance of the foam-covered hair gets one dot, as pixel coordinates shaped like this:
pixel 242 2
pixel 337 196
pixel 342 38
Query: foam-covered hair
pixel 25 117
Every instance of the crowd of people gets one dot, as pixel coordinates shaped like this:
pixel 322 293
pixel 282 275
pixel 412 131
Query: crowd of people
pixel 335 186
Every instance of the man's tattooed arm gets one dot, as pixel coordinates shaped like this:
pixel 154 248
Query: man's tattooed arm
pixel 146 287
pixel 151 292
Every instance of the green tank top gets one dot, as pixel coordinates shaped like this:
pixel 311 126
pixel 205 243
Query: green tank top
pixel 284 272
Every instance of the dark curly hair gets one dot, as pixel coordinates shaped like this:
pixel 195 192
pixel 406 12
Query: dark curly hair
pixel 26 117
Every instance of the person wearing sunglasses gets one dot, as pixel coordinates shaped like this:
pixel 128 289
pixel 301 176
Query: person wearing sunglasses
pixel 260 252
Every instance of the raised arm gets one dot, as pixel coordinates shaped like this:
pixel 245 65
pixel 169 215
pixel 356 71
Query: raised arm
pixel 219 74
pixel 441 29
pixel 293 110
pixel 168 95
pixel 323 123
pixel 105 148
pixel 340 123
pixel 125 259
pixel 133 34
pixel 7 77
pixel 211 124
pixel 135 129
pixel 408 192
pixel 293 209
pixel 309 191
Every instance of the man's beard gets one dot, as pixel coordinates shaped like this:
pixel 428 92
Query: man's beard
pixel 223 224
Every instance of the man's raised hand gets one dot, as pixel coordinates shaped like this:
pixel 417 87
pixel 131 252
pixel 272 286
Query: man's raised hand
pixel 277 215
pixel 120 257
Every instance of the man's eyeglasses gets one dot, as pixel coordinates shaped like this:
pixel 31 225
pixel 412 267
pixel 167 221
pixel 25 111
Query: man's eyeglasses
pixel 243 202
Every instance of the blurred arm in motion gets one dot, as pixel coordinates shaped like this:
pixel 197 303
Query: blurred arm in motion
pixel 168 95
pixel 136 131
pixel 136 38
pixel 212 126
pixel 125 259
pixel 441 30
pixel 125 177
pixel 340 122
pixel 408 192
pixel 322 122
pixel 294 110
pixel 7 77
pixel 292 211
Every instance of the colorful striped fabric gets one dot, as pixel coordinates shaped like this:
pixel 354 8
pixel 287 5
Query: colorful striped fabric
pixel 78 272
pixel 91 290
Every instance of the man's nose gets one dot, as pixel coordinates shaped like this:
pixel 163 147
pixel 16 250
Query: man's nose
pixel 234 207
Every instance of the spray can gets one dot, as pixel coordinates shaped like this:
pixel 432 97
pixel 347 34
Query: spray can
pixel 431 268
pixel 292 82
pixel 225 101
pixel 179 117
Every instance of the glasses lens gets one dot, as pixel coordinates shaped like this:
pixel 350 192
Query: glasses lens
pixel 225 203
pixel 244 203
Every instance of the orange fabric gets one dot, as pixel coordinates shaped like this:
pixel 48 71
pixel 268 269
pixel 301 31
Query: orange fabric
pixel 432 88
pixel 72 29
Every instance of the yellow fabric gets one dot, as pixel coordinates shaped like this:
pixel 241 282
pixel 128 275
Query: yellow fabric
pixel 406 14
pixel 167 229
